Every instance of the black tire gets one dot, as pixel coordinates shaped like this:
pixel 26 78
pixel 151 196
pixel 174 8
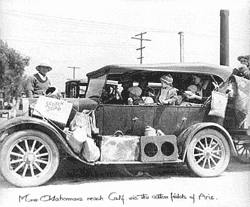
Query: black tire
pixel 208 153
pixel 28 158
pixel 243 150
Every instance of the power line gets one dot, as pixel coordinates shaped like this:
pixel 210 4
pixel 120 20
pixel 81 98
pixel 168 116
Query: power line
pixel 67 43
pixel 140 48
pixel 79 22
pixel 98 24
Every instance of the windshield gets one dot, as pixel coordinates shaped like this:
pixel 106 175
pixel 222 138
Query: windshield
pixel 95 86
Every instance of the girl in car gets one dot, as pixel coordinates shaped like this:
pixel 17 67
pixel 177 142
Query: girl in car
pixel 168 94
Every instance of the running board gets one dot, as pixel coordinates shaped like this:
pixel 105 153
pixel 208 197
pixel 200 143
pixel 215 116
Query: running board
pixel 135 162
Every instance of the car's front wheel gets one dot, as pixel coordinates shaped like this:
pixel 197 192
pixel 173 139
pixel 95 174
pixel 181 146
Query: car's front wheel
pixel 208 153
pixel 28 158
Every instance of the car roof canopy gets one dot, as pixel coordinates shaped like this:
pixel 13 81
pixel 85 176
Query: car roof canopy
pixel 115 71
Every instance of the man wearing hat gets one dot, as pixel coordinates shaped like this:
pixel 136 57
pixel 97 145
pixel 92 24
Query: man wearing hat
pixel 244 68
pixel 39 82
pixel 168 94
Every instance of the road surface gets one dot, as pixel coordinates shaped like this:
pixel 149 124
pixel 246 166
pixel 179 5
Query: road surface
pixel 171 186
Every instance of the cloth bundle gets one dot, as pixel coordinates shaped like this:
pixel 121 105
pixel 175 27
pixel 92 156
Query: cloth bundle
pixel 242 97
pixel 218 104
pixel 80 136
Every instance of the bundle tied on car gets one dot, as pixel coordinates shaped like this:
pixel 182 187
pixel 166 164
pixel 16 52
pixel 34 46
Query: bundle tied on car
pixel 237 88
pixel 79 135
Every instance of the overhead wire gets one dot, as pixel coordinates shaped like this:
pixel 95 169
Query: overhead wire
pixel 68 43
pixel 83 22
pixel 97 25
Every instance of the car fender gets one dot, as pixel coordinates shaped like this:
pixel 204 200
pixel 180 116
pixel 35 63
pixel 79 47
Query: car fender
pixel 186 136
pixel 26 122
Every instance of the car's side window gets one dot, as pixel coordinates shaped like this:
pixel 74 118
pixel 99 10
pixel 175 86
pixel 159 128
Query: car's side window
pixel 201 85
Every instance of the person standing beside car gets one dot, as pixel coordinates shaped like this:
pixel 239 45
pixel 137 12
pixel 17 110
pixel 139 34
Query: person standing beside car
pixel 243 69
pixel 39 82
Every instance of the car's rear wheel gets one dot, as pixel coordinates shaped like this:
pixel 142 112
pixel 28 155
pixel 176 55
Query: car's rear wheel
pixel 243 151
pixel 208 153
pixel 28 158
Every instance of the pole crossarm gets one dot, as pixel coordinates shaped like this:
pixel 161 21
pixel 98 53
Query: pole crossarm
pixel 74 68
pixel 141 40
pixel 140 48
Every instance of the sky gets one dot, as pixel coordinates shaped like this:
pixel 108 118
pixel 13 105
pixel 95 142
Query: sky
pixel 90 34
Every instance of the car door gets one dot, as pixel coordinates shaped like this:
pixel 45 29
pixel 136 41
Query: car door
pixel 134 119
pixel 189 115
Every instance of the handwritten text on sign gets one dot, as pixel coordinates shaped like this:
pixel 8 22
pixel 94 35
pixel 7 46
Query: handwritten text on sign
pixel 53 109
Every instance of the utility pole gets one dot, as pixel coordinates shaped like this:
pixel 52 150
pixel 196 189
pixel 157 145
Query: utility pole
pixel 74 70
pixel 224 37
pixel 140 48
pixel 181 46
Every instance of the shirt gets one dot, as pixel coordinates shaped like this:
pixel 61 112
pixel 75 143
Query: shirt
pixel 37 86
pixel 168 95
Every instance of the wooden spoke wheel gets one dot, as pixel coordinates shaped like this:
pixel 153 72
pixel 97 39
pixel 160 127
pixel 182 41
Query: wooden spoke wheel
pixel 28 158
pixel 243 151
pixel 208 153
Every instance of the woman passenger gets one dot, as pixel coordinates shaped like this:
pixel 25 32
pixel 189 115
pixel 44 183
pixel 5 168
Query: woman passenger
pixel 203 90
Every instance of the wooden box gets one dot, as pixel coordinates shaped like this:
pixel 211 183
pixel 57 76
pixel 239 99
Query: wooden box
pixel 122 148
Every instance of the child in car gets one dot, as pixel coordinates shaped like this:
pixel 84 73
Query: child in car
pixel 135 95
pixel 168 94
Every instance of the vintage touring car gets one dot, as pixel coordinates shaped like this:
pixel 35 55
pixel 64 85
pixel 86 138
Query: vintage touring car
pixel 32 145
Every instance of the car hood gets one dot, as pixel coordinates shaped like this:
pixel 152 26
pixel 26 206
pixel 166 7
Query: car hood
pixel 79 104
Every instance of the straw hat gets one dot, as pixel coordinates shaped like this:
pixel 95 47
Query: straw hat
pixel 135 90
pixel 44 63
pixel 167 79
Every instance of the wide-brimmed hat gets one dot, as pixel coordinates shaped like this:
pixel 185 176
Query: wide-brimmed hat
pixel 247 57
pixel 167 79
pixel 44 63
pixel 135 90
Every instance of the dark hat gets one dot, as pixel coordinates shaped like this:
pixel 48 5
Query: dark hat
pixel 167 79
pixel 247 57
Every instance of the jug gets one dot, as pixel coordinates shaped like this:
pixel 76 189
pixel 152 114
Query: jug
pixel 150 131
